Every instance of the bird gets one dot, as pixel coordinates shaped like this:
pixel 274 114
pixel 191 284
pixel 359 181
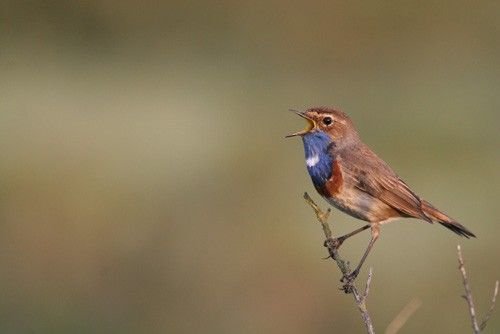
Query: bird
pixel 353 179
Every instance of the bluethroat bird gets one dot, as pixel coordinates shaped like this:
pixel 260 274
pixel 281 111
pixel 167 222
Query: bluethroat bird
pixel 352 178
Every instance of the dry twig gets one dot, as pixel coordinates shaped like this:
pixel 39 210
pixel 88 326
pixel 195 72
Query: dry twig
pixel 468 296
pixel 492 306
pixel 332 247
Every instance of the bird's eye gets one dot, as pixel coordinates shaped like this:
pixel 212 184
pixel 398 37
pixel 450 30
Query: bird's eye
pixel 327 120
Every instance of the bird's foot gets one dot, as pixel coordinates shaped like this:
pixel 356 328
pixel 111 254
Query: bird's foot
pixel 348 281
pixel 349 278
pixel 333 243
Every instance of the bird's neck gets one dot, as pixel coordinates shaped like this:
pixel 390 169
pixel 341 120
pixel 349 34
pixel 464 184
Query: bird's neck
pixel 319 159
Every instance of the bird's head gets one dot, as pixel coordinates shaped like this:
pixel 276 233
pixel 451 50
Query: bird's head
pixel 332 122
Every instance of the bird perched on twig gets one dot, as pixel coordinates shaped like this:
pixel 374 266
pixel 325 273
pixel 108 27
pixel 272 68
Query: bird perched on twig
pixel 347 173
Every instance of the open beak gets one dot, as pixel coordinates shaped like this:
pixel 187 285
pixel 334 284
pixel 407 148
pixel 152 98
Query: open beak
pixel 310 124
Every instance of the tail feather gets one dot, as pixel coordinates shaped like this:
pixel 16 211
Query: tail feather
pixel 439 217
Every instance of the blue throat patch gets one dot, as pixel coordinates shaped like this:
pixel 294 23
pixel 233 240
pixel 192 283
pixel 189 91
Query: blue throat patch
pixel 319 161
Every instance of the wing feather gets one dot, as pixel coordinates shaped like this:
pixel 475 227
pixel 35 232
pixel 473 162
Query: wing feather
pixel 372 175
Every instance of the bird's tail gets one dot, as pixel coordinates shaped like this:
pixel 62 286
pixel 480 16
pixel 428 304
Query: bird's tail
pixel 437 216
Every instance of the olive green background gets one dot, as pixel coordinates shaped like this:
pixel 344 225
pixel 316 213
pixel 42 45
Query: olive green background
pixel 146 187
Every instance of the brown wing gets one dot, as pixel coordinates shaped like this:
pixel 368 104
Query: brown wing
pixel 372 175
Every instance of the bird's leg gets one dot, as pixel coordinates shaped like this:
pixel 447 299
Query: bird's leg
pixel 375 229
pixel 336 242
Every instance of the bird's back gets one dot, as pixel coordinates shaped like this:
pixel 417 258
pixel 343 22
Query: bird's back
pixel 371 188
pixel 365 174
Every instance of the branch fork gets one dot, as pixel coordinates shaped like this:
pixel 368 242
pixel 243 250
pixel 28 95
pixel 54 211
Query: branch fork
pixel 476 327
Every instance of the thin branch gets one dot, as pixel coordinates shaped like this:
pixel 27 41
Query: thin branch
pixel 468 292
pixel 492 306
pixel 368 283
pixel 399 321
pixel 468 296
pixel 332 245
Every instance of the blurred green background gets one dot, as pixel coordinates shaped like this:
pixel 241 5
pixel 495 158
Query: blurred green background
pixel 146 187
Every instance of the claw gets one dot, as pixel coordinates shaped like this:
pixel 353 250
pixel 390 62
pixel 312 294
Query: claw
pixel 350 277
pixel 333 243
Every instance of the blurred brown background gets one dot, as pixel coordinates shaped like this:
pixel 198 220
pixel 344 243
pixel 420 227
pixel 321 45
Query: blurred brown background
pixel 146 187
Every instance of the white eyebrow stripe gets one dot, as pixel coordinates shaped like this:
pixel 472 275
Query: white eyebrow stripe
pixel 312 161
